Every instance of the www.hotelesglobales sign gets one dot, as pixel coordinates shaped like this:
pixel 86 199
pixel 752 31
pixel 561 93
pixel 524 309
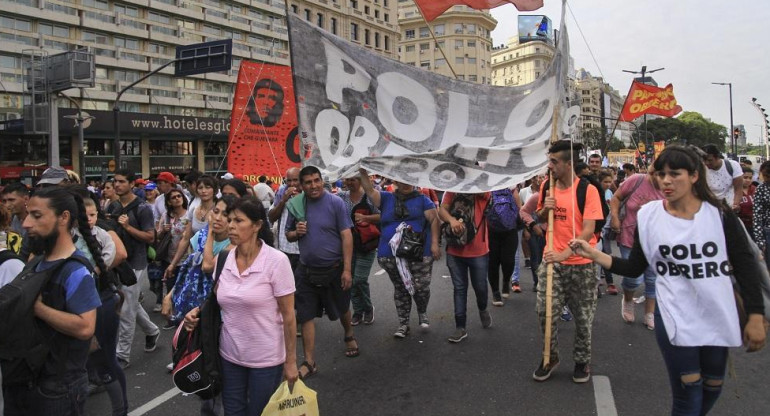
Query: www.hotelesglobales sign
pixel 158 124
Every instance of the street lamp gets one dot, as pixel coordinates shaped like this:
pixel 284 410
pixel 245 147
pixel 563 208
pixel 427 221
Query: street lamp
pixel 644 81
pixel 733 139
pixel 765 126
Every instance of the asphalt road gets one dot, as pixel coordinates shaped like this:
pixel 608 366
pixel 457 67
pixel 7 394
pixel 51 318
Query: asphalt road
pixel 489 373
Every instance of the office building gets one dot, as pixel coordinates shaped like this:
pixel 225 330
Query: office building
pixel 462 46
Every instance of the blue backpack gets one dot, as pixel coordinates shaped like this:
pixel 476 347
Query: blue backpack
pixel 502 211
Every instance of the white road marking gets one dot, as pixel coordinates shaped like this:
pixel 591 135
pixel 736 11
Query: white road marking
pixel 379 272
pixel 605 403
pixel 145 408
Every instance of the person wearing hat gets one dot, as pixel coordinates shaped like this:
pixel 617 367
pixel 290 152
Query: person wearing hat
pixel 55 175
pixel 227 176
pixel 138 189
pixel 165 182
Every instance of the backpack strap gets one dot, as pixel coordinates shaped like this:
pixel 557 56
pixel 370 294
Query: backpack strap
pixel 582 189
pixel 729 166
pixel 6 255
pixel 221 259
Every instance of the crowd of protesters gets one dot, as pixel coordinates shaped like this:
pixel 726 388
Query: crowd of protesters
pixel 279 256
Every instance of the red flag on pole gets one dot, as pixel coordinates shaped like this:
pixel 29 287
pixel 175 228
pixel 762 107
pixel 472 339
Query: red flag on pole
pixel 649 99
pixel 432 9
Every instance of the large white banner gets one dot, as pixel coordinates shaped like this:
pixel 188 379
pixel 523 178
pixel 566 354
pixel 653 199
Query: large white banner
pixel 358 109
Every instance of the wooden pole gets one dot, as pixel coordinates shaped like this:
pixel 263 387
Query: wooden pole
pixel 549 266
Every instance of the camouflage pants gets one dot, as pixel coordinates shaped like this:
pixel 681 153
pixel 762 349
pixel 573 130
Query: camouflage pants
pixel 574 286
pixel 421 273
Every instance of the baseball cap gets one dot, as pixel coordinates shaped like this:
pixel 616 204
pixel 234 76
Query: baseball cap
pixel 166 176
pixel 150 186
pixel 53 176
pixel 228 176
pixel 140 181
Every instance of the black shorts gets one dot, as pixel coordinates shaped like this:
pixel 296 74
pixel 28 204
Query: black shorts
pixel 313 301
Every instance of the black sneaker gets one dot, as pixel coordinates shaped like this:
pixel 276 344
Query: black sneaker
pixel 123 363
pixel 369 317
pixel 151 342
pixel 169 326
pixel 356 319
pixel 582 373
pixel 486 319
pixel 543 373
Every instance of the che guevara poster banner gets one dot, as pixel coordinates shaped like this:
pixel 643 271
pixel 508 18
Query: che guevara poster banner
pixel 263 133
pixel 359 109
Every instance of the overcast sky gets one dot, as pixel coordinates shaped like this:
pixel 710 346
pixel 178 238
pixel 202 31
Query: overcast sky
pixel 697 41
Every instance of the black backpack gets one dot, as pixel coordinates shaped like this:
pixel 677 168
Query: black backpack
pixel 463 207
pixel 27 341
pixel 581 191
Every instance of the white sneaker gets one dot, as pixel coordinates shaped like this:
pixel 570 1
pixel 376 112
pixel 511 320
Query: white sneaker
pixel 157 308
pixel 649 321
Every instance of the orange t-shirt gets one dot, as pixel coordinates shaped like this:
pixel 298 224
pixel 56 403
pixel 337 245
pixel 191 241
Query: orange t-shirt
pixel 479 246
pixel 563 232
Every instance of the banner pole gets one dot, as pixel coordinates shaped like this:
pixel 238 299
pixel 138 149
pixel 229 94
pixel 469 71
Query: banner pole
pixel 302 151
pixel 609 141
pixel 433 35
pixel 549 266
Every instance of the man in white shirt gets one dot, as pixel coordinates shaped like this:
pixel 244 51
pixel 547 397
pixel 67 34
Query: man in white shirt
pixel 263 192
pixel 724 176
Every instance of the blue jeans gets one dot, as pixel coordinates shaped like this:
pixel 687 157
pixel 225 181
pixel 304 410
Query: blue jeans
pixel 50 397
pixel 536 248
pixel 697 398
pixel 460 268
pixel 246 391
pixel 631 283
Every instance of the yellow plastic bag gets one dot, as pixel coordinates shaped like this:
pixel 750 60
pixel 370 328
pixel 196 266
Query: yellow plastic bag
pixel 299 402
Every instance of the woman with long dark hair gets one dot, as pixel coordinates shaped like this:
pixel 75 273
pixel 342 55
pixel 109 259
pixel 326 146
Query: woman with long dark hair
pixel 207 188
pixel 255 291
pixel 104 360
pixel 692 240
pixel 174 222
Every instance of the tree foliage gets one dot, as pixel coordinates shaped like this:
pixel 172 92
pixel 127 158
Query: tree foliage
pixel 595 138
pixel 689 128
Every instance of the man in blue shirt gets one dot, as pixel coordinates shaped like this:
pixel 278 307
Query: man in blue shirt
pixel 67 305
pixel 322 229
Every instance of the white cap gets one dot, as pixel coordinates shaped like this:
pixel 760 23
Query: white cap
pixel 228 176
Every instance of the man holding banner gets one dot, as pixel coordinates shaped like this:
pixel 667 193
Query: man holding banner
pixel 574 278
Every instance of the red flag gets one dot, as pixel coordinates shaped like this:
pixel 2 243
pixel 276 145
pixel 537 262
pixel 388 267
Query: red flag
pixel 432 9
pixel 648 99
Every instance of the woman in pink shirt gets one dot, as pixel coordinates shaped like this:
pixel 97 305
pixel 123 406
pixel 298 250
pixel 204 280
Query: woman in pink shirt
pixel 256 294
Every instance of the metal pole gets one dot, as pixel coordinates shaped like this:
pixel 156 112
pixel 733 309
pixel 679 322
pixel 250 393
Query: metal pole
pixel 81 144
pixel 732 133
pixel 116 127
pixel 116 110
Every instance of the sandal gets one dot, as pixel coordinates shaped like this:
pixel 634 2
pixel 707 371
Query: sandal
pixel 311 370
pixel 351 352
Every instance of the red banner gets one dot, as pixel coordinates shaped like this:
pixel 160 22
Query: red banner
pixel 432 9
pixel 263 134
pixel 648 99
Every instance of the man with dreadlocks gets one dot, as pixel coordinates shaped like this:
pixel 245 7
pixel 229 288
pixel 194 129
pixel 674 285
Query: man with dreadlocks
pixel 67 306
pixel 574 279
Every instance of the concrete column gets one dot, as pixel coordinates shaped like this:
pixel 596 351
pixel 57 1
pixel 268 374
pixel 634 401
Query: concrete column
pixel 145 157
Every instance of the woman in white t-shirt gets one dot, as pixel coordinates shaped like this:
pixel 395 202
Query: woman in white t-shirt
pixel 683 238
pixel 255 291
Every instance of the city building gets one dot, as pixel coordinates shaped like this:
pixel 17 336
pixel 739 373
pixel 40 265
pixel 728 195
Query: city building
pixel 372 24
pixel 516 63
pixel 170 123
pixel 739 132
pixel 600 107
pixel 462 45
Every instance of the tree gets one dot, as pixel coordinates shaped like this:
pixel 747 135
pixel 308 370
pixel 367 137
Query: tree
pixel 595 138
pixel 689 128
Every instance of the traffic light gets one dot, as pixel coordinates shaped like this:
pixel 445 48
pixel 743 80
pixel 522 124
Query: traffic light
pixel 737 133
